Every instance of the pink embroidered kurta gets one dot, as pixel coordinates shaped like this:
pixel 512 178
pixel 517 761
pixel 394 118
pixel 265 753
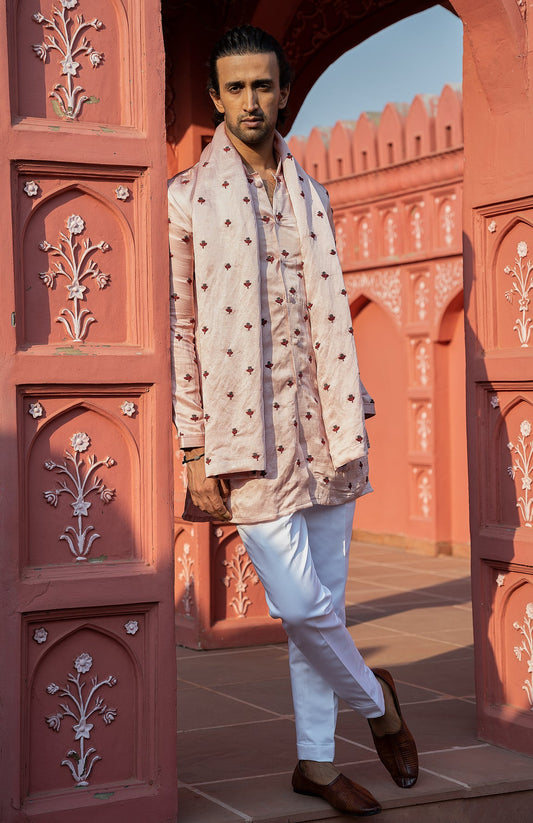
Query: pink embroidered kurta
pixel 296 469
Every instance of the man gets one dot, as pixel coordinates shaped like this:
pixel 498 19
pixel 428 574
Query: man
pixel 268 402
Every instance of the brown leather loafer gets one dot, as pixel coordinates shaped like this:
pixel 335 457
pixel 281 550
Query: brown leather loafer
pixel 397 751
pixel 343 794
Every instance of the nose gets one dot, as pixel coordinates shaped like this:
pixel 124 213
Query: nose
pixel 250 103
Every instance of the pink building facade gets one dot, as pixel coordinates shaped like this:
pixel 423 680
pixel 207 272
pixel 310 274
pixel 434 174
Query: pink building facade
pixel 395 180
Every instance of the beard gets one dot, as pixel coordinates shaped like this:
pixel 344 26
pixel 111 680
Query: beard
pixel 251 136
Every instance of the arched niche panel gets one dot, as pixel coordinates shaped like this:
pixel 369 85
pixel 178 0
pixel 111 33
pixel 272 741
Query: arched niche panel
pixel 512 443
pixel 385 378
pixel 237 590
pixel 185 558
pixel 85 706
pixel 70 70
pixel 513 286
pixel 364 238
pixel 512 627
pixel 82 490
pixel 77 251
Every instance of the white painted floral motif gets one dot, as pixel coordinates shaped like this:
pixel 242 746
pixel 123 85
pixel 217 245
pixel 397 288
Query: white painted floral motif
pixel 526 647
pixel 492 226
pixel 448 278
pixel 128 408
pixel 79 265
pixel 447 222
pixel 522 285
pixel 523 465
pixel 421 297
pixel 425 496
pixel 81 762
pixel 417 228
pixel 132 627
pixel 422 364
pixel 40 635
pixel 495 401
pixel 69 40
pixel 365 238
pixel 80 487
pixel 340 238
pixel 186 576
pixel 500 580
pixel 423 427
pixel 241 572
pixel 31 188
pixel 385 286
pixel 36 410
pixel 122 192
pixel 390 235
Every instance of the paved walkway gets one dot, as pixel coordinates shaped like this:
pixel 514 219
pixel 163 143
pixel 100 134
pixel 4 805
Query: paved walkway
pixel 407 612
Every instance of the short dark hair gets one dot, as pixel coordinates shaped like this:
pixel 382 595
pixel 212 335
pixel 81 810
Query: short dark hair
pixel 248 40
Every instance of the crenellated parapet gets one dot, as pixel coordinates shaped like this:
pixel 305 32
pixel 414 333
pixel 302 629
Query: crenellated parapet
pixel 377 140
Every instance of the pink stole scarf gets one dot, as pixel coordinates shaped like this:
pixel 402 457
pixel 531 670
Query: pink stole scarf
pixel 228 297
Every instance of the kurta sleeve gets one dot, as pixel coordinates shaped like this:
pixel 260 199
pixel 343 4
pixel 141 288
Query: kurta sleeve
pixel 186 385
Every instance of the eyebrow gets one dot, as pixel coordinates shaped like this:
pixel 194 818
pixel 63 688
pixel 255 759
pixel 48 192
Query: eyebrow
pixel 258 82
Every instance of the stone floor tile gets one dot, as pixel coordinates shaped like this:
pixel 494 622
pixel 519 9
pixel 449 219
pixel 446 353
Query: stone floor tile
pixel 401 649
pixel 202 708
pixel 484 766
pixel 435 616
pixel 235 666
pixel 438 725
pixel 437 674
pixel 246 750
pixel 274 695
pixel 194 808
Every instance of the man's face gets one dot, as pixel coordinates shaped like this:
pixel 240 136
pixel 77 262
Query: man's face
pixel 250 96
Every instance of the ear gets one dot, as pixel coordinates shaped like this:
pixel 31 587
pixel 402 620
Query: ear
pixel 217 101
pixel 284 96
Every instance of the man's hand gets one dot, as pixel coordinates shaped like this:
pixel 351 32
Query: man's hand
pixel 208 493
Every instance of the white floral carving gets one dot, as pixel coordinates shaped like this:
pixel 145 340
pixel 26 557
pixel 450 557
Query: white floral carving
pixel 31 188
pixel 128 408
pixel 492 226
pixel 81 762
pixel 79 489
pixel 186 576
pixel 526 646
pixel 523 465
pixel 122 192
pixel 495 401
pixel 417 228
pixel 241 572
pixel 69 40
pixel 447 222
pixel 40 635
pixel 422 364
pixel 448 277
pixel 36 410
pixel 522 285
pixel 384 286
pixel 421 297
pixel 500 580
pixel 79 265
pixel 132 627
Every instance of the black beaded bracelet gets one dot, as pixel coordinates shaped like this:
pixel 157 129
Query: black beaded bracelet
pixel 192 459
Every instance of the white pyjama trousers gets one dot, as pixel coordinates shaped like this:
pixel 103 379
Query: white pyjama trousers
pixel 302 561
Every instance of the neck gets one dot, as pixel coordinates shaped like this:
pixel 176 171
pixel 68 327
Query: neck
pixel 259 158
